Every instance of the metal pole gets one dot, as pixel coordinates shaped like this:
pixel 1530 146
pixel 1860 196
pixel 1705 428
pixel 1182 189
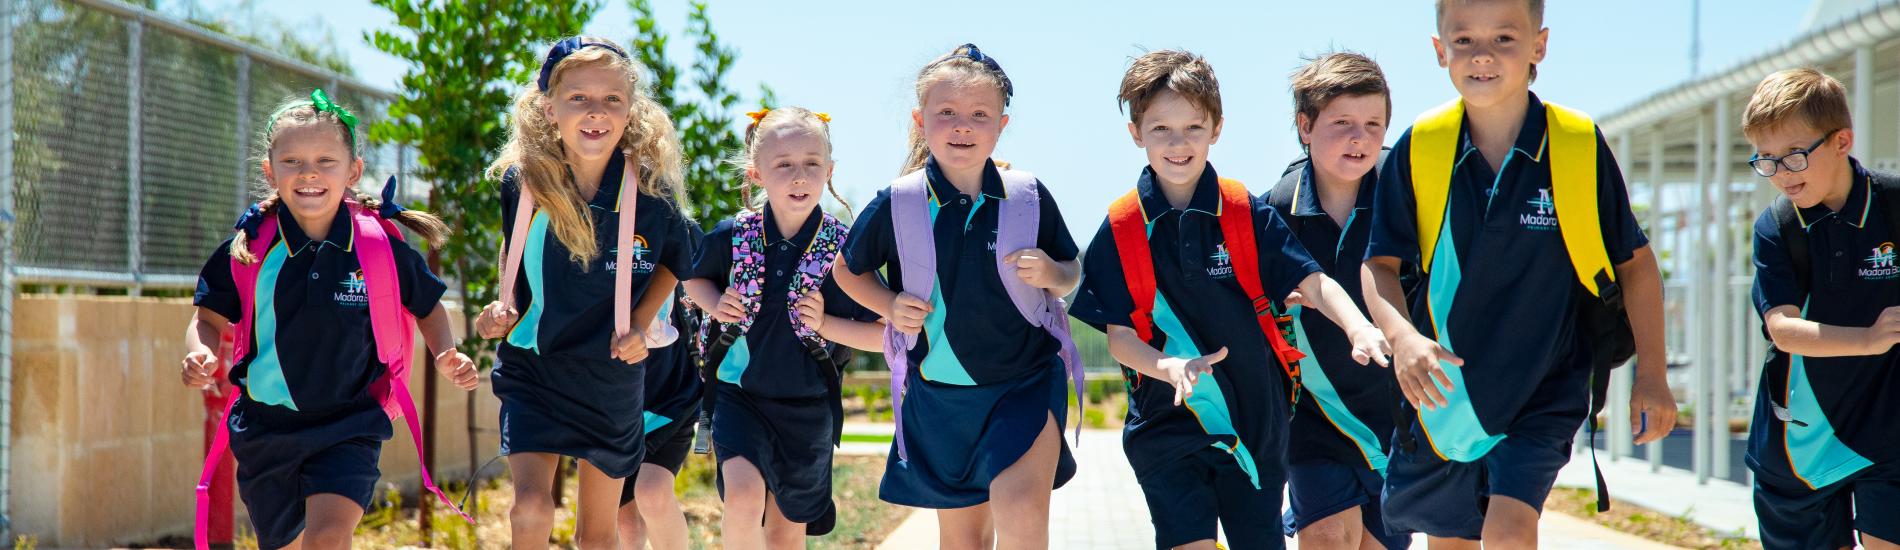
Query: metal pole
pixel 1725 312
pixel 1863 100
pixel 1654 449
pixel 7 282
pixel 242 177
pixel 135 263
pixel 1701 314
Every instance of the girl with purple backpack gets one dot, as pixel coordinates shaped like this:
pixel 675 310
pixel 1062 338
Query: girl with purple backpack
pixel 977 256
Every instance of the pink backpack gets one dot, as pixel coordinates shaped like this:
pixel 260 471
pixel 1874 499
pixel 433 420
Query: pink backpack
pixel 394 330
pixel 1017 223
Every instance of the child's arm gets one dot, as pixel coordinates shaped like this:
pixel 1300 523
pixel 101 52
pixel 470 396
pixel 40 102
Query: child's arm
pixel 1653 407
pixel 1368 344
pixel 1414 357
pixel 903 311
pixel 438 336
pixel 864 335
pixel 1799 336
pixel 1125 345
pixel 202 338
pixel 632 346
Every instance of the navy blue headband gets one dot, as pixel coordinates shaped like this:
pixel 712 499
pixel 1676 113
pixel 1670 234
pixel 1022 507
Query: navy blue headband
pixel 972 53
pixel 566 47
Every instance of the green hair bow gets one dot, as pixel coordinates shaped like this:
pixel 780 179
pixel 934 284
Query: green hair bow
pixel 322 103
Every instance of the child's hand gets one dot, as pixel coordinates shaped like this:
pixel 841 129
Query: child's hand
pixel 1183 373
pixel 1034 267
pixel 908 312
pixel 458 368
pixel 731 307
pixel 631 347
pixel 201 371
pixel 811 310
pixel 1369 345
pixel 1415 364
pixel 1295 298
pixel 1652 409
pixel 495 320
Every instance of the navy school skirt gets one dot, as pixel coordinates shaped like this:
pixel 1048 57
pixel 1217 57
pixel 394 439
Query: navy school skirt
pixel 961 437
pixel 586 409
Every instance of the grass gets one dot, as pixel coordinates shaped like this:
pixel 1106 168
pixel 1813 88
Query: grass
pixel 1672 530
pixel 867 438
pixel 863 521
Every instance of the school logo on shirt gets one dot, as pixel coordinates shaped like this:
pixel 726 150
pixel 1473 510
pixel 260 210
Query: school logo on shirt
pixel 1880 264
pixel 641 264
pixel 1543 214
pixel 355 291
pixel 1220 263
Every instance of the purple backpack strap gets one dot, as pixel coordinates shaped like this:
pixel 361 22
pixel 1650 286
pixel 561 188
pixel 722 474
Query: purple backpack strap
pixel 1017 227
pixel 917 260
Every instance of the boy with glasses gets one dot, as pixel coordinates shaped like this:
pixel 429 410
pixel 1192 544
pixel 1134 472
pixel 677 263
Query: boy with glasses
pixel 1824 447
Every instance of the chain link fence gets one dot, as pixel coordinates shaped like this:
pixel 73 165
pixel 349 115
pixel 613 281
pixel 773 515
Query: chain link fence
pixel 134 140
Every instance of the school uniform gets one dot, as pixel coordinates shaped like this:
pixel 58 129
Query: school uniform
pixel 305 422
pixel 1220 457
pixel 1343 417
pixel 777 406
pixel 984 380
pixel 1833 467
pixel 1504 297
pixel 561 390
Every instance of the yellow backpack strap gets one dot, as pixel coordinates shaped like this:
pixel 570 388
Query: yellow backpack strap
pixel 1434 151
pixel 1573 174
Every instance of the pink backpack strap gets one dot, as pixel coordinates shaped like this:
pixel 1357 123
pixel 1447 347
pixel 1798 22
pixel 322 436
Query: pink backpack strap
pixel 394 329
pixel 517 242
pixel 244 277
pixel 1018 223
pixel 917 260
pixel 623 246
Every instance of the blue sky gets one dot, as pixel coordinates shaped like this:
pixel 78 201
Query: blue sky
pixel 856 60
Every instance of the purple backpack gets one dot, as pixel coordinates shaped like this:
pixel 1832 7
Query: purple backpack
pixel 1016 228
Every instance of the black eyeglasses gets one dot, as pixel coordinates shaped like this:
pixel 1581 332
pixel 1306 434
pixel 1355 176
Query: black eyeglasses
pixel 1792 162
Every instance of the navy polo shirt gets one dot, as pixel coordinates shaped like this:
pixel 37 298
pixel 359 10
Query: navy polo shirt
pixel 1364 391
pixel 1854 277
pixel 1514 319
pixel 769 360
pixel 322 355
pixel 1194 273
pixel 988 338
pixel 575 317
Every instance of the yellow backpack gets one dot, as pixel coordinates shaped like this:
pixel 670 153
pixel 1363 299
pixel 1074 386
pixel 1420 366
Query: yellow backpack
pixel 1572 157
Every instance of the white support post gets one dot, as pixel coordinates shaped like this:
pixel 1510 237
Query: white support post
pixel 1863 98
pixel 1653 451
pixel 1724 337
pixel 1620 438
pixel 1700 311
